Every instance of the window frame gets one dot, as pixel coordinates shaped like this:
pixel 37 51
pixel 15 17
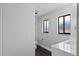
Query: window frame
pixel 64 24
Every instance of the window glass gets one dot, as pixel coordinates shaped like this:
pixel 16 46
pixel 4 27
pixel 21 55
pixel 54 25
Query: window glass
pixel 67 24
pixel 64 25
pixel 60 24
pixel 45 26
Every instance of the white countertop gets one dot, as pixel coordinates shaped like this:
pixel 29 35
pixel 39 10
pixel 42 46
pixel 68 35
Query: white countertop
pixel 65 46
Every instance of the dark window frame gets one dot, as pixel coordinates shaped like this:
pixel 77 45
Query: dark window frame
pixel 46 26
pixel 63 24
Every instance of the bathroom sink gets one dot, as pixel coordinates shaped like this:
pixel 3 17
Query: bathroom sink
pixel 64 46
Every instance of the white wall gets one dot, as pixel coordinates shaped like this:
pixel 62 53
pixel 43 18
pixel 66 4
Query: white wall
pixel 78 29
pixel 0 31
pixel 73 36
pixel 18 29
pixel 53 37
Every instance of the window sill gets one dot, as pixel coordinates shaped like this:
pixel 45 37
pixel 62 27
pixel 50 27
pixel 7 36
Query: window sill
pixel 65 33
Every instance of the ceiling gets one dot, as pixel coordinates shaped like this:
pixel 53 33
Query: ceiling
pixel 42 8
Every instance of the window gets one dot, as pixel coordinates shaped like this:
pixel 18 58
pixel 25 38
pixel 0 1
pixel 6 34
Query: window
pixel 64 24
pixel 45 26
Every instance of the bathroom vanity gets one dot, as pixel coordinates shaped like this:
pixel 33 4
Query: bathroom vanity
pixel 63 49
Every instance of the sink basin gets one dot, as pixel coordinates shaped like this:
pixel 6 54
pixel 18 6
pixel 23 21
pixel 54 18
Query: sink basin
pixel 65 46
